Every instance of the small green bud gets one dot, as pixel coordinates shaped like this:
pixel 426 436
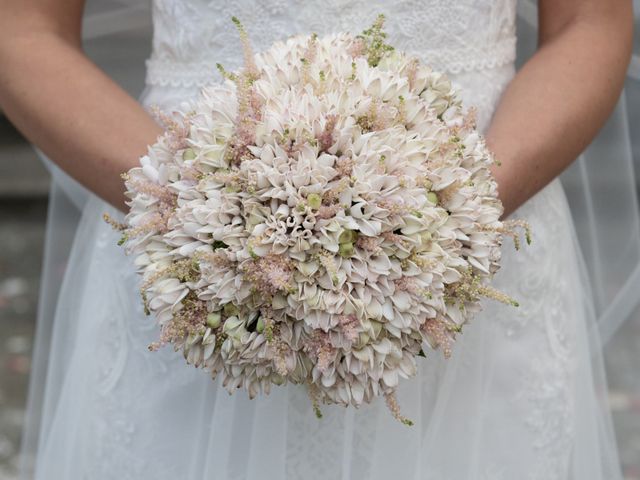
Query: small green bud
pixel 189 154
pixel 260 325
pixel 314 200
pixel 346 250
pixel 348 236
pixel 230 309
pixel 432 197
pixel 214 319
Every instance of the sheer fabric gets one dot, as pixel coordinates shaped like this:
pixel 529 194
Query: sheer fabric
pixel 518 398
pixel 602 192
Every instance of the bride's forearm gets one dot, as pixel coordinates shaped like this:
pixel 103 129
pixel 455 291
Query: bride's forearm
pixel 78 116
pixel 560 98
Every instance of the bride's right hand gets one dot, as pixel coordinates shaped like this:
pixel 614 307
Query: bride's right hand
pixel 62 102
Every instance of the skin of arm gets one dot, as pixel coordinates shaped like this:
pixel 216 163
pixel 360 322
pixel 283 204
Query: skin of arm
pixel 95 131
pixel 65 104
pixel 562 96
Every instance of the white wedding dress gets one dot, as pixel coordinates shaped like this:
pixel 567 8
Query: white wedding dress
pixel 520 397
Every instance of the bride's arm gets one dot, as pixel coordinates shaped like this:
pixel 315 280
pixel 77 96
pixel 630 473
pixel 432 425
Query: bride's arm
pixel 62 102
pixel 562 96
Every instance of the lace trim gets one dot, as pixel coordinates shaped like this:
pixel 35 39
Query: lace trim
pixel 171 73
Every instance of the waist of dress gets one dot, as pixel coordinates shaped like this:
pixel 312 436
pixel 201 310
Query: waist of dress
pixel 163 69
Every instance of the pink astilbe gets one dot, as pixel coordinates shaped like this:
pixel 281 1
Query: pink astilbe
pixel 247 52
pixel 158 221
pixel 177 133
pixel 395 239
pixel 344 166
pixel 270 275
pixel 246 123
pixel 350 326
pixel 358 48
pixel 146 187
pixel 189 320
pixel 412 72
pixel 319 347
pixel 407 284
pixel 394 207
pixel 370 244
pixel 328 211
pixel 439 334
pixel 326 138
pixel 309 57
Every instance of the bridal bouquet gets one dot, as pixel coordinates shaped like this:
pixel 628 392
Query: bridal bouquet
pixel 323 217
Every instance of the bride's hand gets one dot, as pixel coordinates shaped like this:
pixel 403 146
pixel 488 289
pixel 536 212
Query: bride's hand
pixel 562 96
pixel 62 102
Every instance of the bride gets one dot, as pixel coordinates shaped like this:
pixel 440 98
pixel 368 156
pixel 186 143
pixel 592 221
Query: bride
pixel 519 397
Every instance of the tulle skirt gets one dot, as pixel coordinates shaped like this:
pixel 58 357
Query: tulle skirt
pixel 519 398
pixel 522 396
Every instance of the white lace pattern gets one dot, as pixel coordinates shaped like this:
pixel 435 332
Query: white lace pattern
pixel 192 35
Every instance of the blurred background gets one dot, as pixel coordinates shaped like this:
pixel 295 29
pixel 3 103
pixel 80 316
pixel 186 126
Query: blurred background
pixel 24 187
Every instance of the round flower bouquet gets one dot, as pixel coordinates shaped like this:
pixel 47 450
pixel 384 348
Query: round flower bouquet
pixel 323 217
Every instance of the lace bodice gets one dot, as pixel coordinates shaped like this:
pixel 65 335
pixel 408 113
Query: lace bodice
pixel 473 41
pixel 192 35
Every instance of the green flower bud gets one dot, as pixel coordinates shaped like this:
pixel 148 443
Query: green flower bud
pixel 189 154
pixel 345 250
pixel 432 197
pixel 230 309
pixel 214 319
pixel 260 325
pixel 348 236
pixel 314 200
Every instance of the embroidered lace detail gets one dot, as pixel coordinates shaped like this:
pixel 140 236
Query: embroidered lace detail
pixel 190 36
pixel 545 389
pixel 164 72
